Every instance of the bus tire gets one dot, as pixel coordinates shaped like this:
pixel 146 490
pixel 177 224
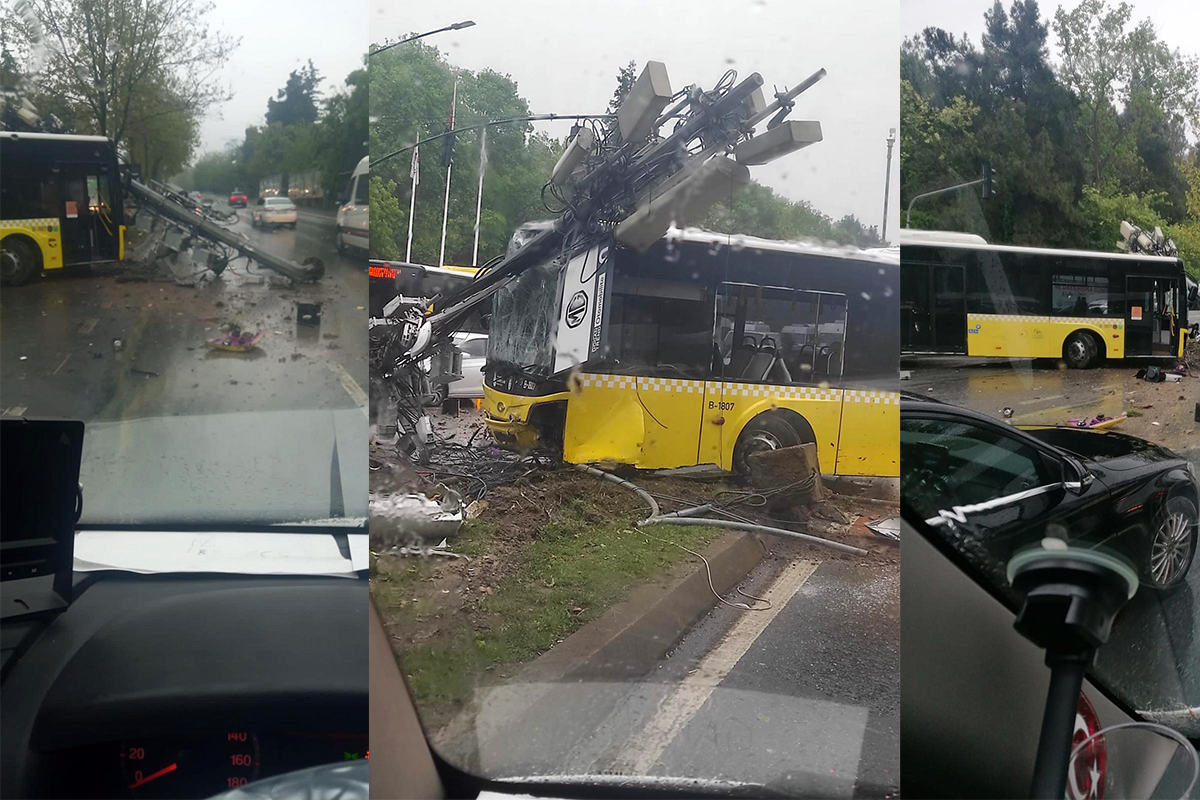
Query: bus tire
pixel 764 432
pixel 20 260
pixel 1080 350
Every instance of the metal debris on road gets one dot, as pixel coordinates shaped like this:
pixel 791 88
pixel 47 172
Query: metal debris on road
pixel 402 519
pixel 888 527
pixel 236 341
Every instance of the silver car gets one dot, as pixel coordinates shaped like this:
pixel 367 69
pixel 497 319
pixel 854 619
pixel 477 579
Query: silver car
pixel 271 212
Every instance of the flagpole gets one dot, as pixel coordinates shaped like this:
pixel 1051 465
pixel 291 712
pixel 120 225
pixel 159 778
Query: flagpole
pixel 449 168
pixel 479 198
pixel 415 174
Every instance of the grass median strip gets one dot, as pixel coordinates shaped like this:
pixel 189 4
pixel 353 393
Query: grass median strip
pixel 538 571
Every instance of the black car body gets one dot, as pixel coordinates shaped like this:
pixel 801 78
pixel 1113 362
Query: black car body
pixel 1012 487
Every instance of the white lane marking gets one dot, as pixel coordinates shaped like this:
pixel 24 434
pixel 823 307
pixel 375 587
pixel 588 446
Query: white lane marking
pixel 60 364
pixel 89 326
pixel 350 385
pixel 677 709
pixel 15 411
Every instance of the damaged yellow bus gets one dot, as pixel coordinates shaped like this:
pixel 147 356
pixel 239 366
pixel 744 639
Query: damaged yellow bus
pixel 60 204
pixel 703 350
pixel 960 295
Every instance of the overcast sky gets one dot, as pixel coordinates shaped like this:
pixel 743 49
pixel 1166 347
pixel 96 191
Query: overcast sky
pixel 564 58
pixel 276 39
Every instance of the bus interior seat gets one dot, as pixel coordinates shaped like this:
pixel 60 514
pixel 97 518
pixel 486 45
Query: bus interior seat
pixel 743 354
pixel 780 373
pixel 762 362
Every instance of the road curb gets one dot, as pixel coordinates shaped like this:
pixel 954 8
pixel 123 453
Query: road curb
pixel 627 640
pixel 632 636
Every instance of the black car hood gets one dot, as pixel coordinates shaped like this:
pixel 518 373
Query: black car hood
pixel 1115 451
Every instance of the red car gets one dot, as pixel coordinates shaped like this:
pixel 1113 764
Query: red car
pixel 237 198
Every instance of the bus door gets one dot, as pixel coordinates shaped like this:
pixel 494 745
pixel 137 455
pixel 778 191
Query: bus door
pixel 84 236
pixel 933 315
pixel 1151 321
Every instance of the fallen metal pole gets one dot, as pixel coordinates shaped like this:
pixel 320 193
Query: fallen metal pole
pixel 311 270
pixel 746 526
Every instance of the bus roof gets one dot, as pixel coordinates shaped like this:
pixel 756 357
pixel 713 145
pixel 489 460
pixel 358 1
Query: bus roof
pixel 55 137
pixel 1049 251
pixel 918 236
pixel 810 248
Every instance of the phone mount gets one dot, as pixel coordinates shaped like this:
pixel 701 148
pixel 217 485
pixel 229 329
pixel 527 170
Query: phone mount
pixel 1071 597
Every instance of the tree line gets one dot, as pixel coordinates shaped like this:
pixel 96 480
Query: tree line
pixel 410 98
pixel 1102 136
pixel 144 73
pixel 302 133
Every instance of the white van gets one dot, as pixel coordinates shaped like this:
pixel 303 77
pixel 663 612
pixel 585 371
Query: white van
pixel 353 230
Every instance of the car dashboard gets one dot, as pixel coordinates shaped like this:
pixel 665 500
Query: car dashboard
pixel 184 685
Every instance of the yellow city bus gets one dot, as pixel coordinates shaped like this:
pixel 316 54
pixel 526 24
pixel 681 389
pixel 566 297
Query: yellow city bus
pixel 60 203
pixel 703 350
pixel 960 295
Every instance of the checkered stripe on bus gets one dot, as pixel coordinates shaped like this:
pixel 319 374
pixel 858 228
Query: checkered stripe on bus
pixel 683 385
pixel 1120 323
pixel 866 396
pixel 47 223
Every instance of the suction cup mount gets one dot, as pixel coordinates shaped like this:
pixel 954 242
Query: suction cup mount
pixel 1071 597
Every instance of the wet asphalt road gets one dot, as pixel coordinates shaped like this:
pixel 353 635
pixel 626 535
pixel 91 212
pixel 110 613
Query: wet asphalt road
pixel 1152 660
pixel 60 358
pixel 805 701
pixel 1041 393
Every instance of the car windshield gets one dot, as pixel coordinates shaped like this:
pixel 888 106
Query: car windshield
pixel 1055 329
pixel 726 345
pixel 220 376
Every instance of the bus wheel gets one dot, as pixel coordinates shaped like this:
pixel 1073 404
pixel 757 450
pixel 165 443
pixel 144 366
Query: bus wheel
pixel 1080 350
pixel 762 434
pixel 19 261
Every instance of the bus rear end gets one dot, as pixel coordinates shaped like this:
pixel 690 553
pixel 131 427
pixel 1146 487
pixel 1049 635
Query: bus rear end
pixel 62 204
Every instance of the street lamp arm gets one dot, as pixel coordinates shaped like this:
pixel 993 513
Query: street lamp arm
pixel 456 26
pixel 908 217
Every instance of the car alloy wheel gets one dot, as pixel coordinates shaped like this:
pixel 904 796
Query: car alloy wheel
pixel 1171 548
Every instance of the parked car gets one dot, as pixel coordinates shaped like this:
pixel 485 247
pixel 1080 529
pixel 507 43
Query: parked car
pixel 237 198
pixel 470 386
pixel 271 212
pixel 961 470
pixel 352 226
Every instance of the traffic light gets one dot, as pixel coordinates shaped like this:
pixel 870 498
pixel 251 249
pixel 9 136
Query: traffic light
pixel 448 149
pixel 985 189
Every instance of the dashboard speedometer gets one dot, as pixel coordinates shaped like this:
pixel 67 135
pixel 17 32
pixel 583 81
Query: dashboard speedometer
pixel 190 766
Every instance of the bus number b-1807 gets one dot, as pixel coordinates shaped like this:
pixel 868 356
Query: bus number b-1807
pixel 720 406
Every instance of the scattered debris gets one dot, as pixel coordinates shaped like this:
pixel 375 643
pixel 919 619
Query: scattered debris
pixel 888 527
pixel 404 519
pixel 1098 422
pixel 117 345
pixel 236 341
pixel 1006 412
pixel 905 375
pixel 146 372
pixel 308 313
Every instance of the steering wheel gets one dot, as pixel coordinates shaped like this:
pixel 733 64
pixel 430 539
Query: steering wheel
pixel 342 780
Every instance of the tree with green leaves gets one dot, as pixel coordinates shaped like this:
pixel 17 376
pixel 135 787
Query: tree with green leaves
pixel 112 60
pixel 1107 64
pixel 626 77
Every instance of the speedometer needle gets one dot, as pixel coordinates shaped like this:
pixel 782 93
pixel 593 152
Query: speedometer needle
pixel 153 775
